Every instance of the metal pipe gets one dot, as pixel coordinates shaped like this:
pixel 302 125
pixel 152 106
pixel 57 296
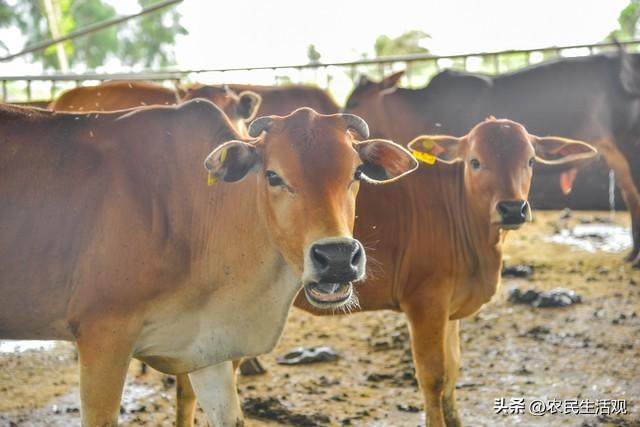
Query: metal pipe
pixel 178 74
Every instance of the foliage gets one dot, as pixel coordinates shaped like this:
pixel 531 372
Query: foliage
pixel 406 43
pixel 628 22
pixel 146 40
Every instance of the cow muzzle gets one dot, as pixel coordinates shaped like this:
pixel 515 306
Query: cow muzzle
pixel 513 213
pixel 331 267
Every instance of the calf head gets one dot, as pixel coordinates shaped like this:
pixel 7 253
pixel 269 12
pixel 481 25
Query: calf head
pixel 497 159
pixel 241 108
pixel 309 168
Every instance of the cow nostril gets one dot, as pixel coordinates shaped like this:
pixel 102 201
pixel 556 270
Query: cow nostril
pixel 502 209
pixel 357 256
pixel 524 209
pixel 319 258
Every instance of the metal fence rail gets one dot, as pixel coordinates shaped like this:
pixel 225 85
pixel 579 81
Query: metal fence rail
pixel 337 77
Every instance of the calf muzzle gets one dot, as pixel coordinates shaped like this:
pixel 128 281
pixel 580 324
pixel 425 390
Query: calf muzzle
pixel 513 213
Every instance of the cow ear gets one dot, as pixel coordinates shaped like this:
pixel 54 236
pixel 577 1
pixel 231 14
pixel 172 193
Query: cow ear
pixel 390 83
pixel 231 161
pixel 567 153
pixel 248 104
pixel 384 161
pixel 428 148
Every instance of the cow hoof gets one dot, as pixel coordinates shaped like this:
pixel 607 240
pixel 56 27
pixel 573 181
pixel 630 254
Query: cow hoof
pixel 252 366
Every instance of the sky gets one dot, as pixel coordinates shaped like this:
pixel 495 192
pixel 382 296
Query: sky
pixel 239 33
pixel 245 33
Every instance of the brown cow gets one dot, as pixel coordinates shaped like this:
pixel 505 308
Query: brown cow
pixel 119 95
pixel 112 238
pixel 594 98
pixel 440 233
pixel 281 100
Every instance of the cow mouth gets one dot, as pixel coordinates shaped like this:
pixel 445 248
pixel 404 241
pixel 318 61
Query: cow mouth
pixel 328 295
pixel 512 226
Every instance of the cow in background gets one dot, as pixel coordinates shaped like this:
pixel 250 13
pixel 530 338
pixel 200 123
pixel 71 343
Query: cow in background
pixel 241 107
pixel 595 99
pixel 281 100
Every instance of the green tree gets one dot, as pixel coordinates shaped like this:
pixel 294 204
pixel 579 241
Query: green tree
pixel 150 38
pixel 407 43
pixel 146 40
pixel 628 22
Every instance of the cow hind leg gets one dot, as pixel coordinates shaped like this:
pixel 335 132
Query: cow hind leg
pixel 215 387
pixel 427 325
pixel 616 161
pixel 104 356
pixel 186 401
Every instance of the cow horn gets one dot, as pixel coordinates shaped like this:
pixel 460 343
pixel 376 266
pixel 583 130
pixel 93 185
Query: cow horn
pixel 356 123
pixel 259 125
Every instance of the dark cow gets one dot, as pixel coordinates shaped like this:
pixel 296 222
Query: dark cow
pixel 595 99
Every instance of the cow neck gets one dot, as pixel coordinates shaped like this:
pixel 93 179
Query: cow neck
pixel 475 237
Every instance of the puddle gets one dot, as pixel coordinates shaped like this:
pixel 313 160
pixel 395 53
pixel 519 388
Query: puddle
pixel 134 396
pixel 594 237
pixel 18 346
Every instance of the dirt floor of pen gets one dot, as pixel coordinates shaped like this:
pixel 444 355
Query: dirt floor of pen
pixel 587 351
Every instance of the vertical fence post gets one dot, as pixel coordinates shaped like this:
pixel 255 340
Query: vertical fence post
pixel 29 90
pixel 4 91
pixel 496 64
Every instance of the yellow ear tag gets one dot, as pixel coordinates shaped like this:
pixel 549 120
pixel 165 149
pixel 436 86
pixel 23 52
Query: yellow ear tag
pixel 424 157
pixel 223 155
pixel 211 179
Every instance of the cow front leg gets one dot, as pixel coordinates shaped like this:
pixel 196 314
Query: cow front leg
pixel 428 327
pixel 215 387
pixel 452 368
pixel 104 354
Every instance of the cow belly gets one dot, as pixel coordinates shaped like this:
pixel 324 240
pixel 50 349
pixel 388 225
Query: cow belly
pixel 227 327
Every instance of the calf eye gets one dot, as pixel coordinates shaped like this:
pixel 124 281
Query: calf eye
pixel 358 173
pixel 475 163
pixel 531 160
pixel 274 179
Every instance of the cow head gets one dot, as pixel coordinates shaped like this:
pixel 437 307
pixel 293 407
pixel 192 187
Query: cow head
pixel 240 108
pixel 309 168
pixel 367 98
pixel 497 158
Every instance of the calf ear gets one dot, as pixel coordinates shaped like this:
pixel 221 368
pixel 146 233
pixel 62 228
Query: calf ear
pixel 248 104
pixel 552 151
pixel 231 161
pixel 384 161
pixel 428 148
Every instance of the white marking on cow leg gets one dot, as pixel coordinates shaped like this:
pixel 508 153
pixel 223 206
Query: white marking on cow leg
pixel 215 387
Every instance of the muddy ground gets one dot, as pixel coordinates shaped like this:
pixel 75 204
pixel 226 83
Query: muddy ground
pixel 588 351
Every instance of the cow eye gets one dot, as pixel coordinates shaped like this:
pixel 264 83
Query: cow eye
pixel 274 179
pixel 531 161
pixel 358 173
pixel 475 163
